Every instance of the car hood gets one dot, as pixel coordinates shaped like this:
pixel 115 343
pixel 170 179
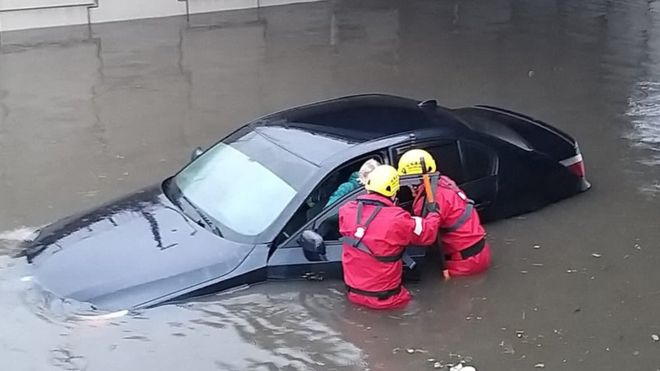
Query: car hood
pixel 135 250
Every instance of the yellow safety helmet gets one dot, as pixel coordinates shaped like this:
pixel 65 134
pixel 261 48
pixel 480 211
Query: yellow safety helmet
pixel 383 180
pixel 411 162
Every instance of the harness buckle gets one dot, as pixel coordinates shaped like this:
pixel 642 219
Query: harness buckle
pixel 359 232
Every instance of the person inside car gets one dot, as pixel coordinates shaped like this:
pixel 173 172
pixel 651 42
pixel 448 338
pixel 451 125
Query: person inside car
pixel 356 180
pixel 462 237
pixel 375 233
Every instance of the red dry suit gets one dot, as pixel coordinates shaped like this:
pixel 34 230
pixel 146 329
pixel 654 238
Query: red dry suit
pixel 375 234
pixel 461 234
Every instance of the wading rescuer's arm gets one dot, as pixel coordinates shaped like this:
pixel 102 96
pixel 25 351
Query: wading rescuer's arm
pixel 424 230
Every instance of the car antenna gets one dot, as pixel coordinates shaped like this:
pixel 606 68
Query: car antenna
pixel 429 103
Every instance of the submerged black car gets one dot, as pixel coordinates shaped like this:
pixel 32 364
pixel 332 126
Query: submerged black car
pixel 236 214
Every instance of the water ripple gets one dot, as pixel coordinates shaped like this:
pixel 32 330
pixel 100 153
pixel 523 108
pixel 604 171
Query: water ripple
pixel 10 240
pixel 644 111
pixel 286 326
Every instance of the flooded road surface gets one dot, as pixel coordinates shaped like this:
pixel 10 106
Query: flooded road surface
pixel 90 114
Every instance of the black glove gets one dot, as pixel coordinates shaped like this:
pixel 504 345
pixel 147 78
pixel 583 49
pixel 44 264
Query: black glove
pixel 432 207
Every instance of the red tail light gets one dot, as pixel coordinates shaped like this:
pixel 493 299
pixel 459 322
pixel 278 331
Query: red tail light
pixel 575 165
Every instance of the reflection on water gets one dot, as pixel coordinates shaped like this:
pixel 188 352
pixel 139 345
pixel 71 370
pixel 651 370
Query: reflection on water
pixel 644 110
pixel 287 327
pixel 129 101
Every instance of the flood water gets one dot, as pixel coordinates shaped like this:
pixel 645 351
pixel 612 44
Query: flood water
pixel 89 114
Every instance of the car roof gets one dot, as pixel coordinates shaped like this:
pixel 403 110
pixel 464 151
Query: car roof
pixel 319 131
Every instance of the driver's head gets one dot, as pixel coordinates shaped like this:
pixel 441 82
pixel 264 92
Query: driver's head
pixel 411 162
pixel 384 180
pixel 366 169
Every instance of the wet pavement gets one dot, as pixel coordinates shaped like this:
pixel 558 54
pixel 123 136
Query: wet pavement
pixel 88 114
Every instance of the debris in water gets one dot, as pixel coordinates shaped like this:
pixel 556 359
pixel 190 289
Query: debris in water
pixel 438 365
pixel 430 360
pixel 536 246
pixel 530 73
pixel 655 337
pixel 571 270
pixel 461 367
pixel 396 350
pixel 91 193
pixel 539 365
pixel 638 247
pixel 507 348
pixel 596 255
pixel 636 353
pixel 523 272
pixel 537 264
pixel 410 350
pixel 520 333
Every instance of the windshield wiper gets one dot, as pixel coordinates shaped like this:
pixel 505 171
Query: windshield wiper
pixel 205 218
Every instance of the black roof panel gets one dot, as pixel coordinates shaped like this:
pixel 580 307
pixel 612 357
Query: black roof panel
pixel 318 131
pixel 362 118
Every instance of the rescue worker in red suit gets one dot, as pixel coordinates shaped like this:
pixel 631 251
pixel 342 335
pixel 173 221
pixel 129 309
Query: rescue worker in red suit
pixel 462 237
pixel 375 234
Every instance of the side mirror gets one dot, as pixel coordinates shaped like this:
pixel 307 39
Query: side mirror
pixel 196 153
pixel 313 246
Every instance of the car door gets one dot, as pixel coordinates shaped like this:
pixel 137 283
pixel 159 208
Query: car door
pixel 288 259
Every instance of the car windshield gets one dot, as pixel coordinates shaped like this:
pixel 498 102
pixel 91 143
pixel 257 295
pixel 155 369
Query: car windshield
pixel 244 183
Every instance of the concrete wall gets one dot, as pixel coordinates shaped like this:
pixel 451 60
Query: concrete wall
pixel 20 14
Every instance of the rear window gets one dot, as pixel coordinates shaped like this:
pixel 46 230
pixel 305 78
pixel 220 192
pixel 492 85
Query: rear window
pixel 491 127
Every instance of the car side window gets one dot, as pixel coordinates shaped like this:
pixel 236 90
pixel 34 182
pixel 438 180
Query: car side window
pixel 328 225
pixel 447 158
pixel 478 160
pixel 343 179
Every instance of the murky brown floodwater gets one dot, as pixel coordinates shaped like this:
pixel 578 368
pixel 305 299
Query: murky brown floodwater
pixel 90 114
